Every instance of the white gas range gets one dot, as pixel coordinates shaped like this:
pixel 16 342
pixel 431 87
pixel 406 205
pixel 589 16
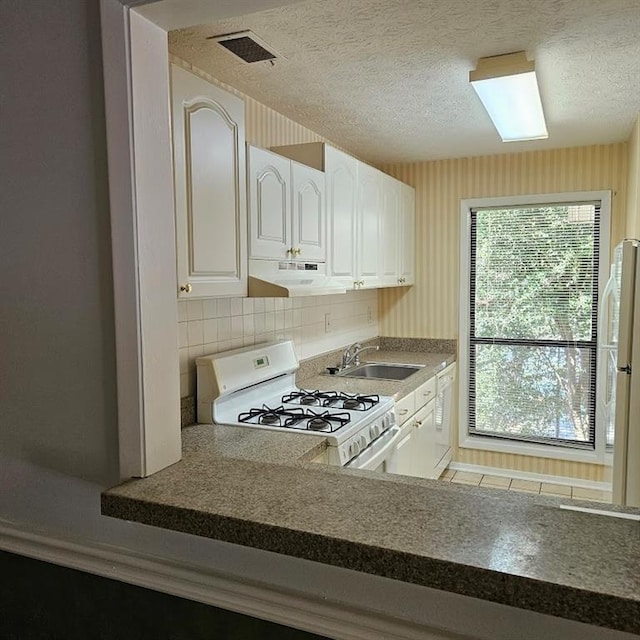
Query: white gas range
pixel 254 387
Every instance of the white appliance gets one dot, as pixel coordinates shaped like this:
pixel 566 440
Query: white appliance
pixel 288 279
pixel 619 364
pixel 254 387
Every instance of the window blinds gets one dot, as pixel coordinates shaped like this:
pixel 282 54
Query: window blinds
pixel 533 322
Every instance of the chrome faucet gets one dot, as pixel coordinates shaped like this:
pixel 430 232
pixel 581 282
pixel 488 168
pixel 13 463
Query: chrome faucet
pixel 351 355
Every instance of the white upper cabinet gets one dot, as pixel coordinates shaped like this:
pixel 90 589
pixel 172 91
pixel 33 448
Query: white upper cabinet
pixel 369 219
pixel 287 208
pixel 398 235
pixel 269 204
pixel 407 257
pixel 391 231
pixel 210 188
pixel 308 213
pixel 341 174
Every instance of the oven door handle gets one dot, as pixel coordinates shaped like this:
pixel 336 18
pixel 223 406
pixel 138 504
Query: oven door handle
pixel 377 451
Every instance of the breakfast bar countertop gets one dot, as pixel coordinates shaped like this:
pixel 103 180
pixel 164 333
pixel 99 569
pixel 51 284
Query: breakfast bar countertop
pixel 512 548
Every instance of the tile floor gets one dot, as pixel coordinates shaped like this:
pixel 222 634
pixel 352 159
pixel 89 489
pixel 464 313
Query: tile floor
pixel 526 486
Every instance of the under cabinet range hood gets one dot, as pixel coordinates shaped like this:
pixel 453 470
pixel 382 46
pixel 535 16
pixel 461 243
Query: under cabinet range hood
pixel 284 279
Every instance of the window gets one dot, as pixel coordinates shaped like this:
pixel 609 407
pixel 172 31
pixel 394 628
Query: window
pixel 531 306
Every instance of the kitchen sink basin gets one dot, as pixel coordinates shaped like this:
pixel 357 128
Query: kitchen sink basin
pixel 381 371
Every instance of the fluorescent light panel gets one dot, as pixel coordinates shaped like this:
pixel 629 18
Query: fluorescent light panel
pixel 508 89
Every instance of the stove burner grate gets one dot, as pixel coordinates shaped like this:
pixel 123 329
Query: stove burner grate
pixel 353 402
pixel 332 399
pixel 269 417
pixel 295 418
pixel 325 421
pixel 305 397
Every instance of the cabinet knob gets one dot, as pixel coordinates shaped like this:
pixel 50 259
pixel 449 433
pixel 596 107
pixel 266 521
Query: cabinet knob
pixel 186 288
pixel 297 251
pixel 418 423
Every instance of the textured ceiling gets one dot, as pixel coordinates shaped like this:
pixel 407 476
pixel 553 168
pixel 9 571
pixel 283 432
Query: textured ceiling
pixel 388 79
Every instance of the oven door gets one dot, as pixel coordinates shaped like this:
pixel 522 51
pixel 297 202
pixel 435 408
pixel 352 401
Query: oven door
pixel 380 455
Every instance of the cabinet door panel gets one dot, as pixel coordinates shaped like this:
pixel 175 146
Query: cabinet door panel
pixel 404 453
pixel 408 237
pixel 391 228
pixel 269 204
pixel 424 447
pixel 309 212
pixel 342 178
pixel 209 175
pixel 445 411
pixel 369 214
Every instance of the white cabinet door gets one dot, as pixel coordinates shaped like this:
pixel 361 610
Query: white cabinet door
pixel 210 188
pixel 369 222
pixel 407 235
pixel 404 450
pixel 390 231
pixel 424 445
pixel 309 213
pixel 445 412
pixel 269 178
pixel 341 173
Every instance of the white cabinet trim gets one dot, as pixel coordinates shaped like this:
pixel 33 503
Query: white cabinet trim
pixel 313 614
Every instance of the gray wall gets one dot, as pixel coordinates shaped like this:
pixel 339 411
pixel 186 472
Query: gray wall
pixel 58 393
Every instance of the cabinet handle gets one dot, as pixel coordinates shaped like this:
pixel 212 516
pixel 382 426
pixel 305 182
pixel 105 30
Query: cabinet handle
pixel 297 251
pixel 418 423
pixel 186 288
pixel 404 412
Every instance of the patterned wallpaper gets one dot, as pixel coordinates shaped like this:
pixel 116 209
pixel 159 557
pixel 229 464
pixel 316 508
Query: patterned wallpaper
pixel 430 308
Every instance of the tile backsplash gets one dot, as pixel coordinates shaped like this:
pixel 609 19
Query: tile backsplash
pixel 315 324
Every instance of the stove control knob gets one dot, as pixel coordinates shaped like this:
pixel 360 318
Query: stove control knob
pixel 363 442
pixel 386 421
pixel 374 431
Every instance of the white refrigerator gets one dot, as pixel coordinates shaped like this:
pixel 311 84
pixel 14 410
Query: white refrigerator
pixel 619 365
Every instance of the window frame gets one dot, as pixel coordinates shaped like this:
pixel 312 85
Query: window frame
pixel 470 441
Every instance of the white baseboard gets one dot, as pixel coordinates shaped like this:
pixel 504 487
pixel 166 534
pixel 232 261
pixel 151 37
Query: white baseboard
pixel 314 615
pixel 528 475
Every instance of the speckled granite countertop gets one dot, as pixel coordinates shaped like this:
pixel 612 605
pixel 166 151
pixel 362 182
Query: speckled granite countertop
pixel 516 549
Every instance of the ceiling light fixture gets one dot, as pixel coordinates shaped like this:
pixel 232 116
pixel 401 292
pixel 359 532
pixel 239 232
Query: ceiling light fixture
pixel 508 88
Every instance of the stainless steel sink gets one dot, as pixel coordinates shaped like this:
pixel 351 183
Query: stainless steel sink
pixel 381 371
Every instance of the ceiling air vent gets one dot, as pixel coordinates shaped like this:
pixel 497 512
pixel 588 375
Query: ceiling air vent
pixel 246 45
